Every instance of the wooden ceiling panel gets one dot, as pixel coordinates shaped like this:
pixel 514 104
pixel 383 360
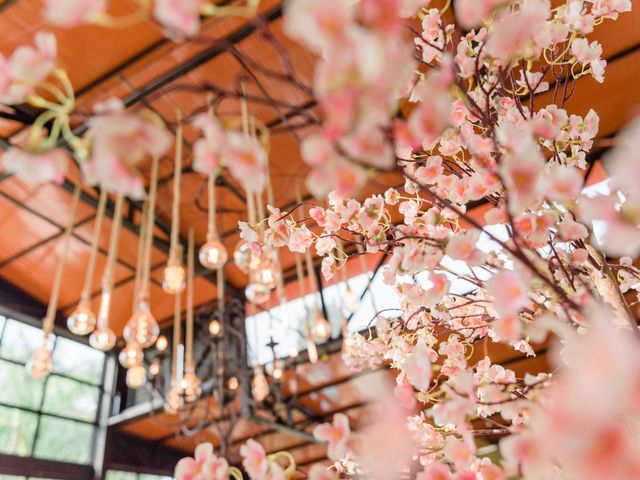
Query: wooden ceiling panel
pixel 48 200
pixel 22 230
pixel 34 272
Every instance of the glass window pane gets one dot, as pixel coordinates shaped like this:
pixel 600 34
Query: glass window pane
pixel 20 341
pixel 120 475
pixel 11 477
pixel 69 398
pixel 78 361
pixel 17 429
pixel 64 440
pixel 19 388
pixel 145 476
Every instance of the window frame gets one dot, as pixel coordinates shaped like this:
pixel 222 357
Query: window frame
pixel 12 316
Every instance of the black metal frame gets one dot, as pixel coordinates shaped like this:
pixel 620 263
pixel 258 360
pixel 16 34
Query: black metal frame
pixel 34 467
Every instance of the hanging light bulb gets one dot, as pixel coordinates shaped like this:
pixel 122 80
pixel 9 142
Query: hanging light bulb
pixel 257 293
pixel 103 339
pixel 40 364
pixel 141 328
pixel 312 350
pixel 154 367
pixel 321 327
pixel 136 376
pixel 174 279
pixel 215 327
pixel 350 302
pixel 82 321
pixel 174 401
pixel 259 385
pixel 162 343
pixel 213 254
pixel 293 353
pixel 277 369
pixel 265 275
pixel 131 355
pixel 233 383
pixel 245 257
pixel 191 385
pixel 175 275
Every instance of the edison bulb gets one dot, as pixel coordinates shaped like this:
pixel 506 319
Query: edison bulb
pixel 259 385
pixel 131 355
pixel 191 386
pixel 174 401
pixel 245 257
pixel 102 339
pixel 215 327
pixel 350 302
pixel 277 369
pixel 233 383
pixel 265 276
pixel 82 321
pixel 175 276
pixel 162 343
pixel 321 328
pixel 154 368
pixel 136 376
pixel 141 328
pixel 257 293
pixel 213 254
pixel 40 364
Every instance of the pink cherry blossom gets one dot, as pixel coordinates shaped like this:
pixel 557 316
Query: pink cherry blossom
pixel 521 174
pixel 247 161
pixel 300 239
pixel 471 13
pixel 508 290
pixel 208 151
pixel 119 143
pixel 417 367
pixel 48 166
pixel 204 466
pixel 179 17
pixel 462 246
pixel 320 472
pixel 254 459
pixel 435 471
pixel 319 24
pixel 336 434
pixel 70 13
pixel 26 68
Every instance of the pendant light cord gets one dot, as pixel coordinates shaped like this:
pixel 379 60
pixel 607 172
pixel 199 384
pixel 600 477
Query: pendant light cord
pixel 57 279
pixel 88 280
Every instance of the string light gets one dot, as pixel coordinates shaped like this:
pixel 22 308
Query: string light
pixel 103 338
pixel 131 355
pixel 174 273
pixel 82 321
pixel 233 383
pixel 142 328
pixel 259 385
pixel 40 364
pixel 136 376
pixel 257 293
pixel 190 384
pixel 321 327
pixel 215 327
pixel 162 343
pixel 213 254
